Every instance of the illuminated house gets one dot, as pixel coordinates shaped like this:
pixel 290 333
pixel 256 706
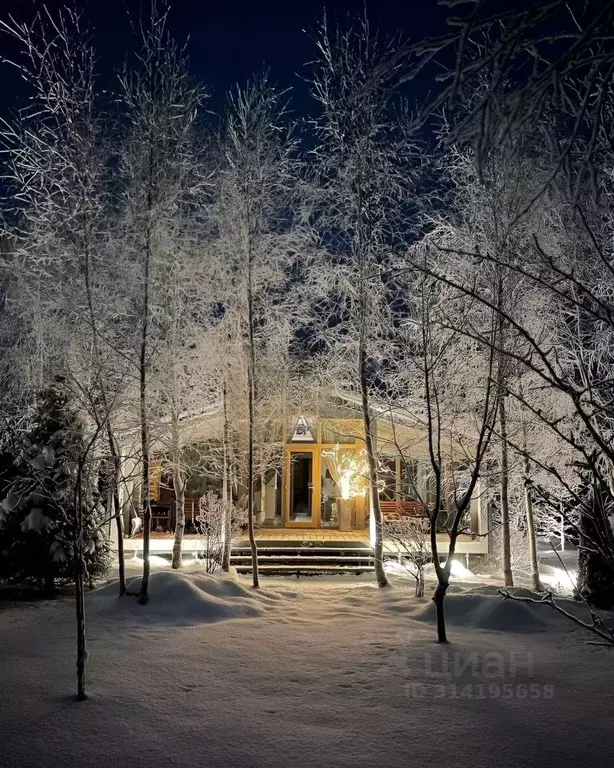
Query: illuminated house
pixel 317 490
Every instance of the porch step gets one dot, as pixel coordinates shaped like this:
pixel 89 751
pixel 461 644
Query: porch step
pixel 305 569
pixel 302 558
pixel 287 557
pixel 307 551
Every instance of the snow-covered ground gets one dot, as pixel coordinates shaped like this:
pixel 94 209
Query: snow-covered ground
pixel 307 673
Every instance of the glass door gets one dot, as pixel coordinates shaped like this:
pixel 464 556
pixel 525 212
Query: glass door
pixel 301 488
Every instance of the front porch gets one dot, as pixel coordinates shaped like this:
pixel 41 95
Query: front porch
pixel 314 493
pixel 162 542
pixel 291 538
pixel 310 535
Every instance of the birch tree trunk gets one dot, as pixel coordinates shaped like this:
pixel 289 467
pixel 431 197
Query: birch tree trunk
pixel 179 486
pixel 121 565
pixel 506 554
pixel 251 366
pixel 79 590
pixel 528 503
pixel 227 518
pixel 505 512
pixel 443 581
pixel 146 480
pixel 420 584
pixel 226 486
pixel 375 509
pixel 106 410
pixel 80 613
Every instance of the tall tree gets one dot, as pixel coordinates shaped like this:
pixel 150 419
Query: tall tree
pixel 257 246
pixel 57 168
pixel 160 107
pixel 485 214
pixel 184 380
pixel 561 93
pixel 444 386
pixel 364 178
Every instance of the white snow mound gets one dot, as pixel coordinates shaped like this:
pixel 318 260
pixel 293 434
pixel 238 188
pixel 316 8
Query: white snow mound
pixel 480 611
pixel 177 598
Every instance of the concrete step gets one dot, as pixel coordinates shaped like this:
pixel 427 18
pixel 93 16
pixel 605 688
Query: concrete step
pixel 306 568
pixel 301 544
pixel 302 558
pixel 304 548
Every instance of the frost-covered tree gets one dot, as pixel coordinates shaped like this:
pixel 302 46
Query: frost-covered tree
pixel 185 384
pixel 38 515
pixel 257 245
pixel 219 521
pixel 363 179
pixel 61 291
pixel 446 388
pixel 158 177
pixel 52 519
pixel 565 366
pixel 410 537
pixel 557 331
pixel 484 214
pixel 563 104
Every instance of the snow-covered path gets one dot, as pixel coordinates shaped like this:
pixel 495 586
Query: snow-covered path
pixel 309 675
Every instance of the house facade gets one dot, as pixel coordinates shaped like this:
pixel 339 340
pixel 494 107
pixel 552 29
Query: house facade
pixel 319 482
pixel 323 482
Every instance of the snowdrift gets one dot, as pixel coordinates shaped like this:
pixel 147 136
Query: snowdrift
pixel 178 598
pixel 485 611
pixel 493 591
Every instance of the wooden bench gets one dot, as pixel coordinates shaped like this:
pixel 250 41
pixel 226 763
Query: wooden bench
pixel 160 517
pixel 401 510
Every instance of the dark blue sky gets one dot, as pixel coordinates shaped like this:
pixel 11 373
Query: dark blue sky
pixel 229 39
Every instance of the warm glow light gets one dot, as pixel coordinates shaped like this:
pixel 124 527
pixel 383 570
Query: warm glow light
pixel 459 571
pixel 154 560
pixel 345 484
pixel 351 470
pixel 559 579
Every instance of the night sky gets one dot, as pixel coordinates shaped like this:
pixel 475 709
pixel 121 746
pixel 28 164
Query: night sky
pixel 229 39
